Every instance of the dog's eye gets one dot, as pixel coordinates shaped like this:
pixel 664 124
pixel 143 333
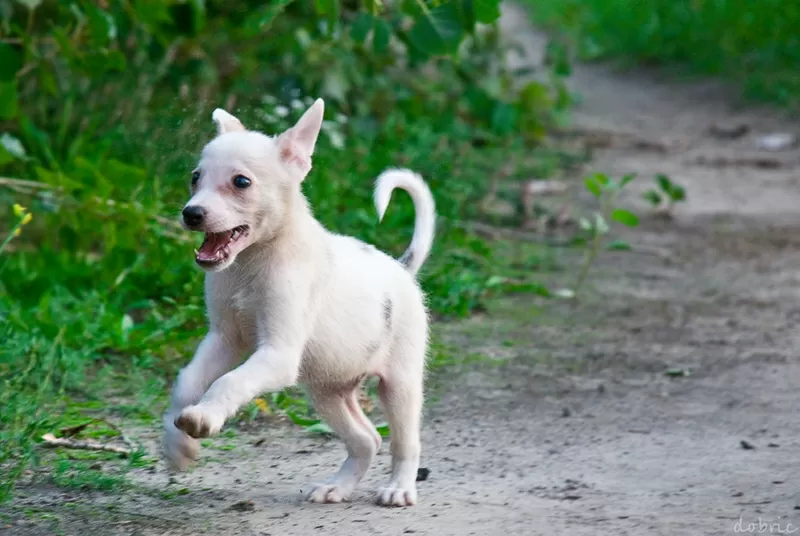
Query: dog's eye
pixel 240 181
pixel 195 177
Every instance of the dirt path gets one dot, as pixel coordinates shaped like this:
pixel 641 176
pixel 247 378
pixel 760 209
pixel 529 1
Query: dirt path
pixel 579 431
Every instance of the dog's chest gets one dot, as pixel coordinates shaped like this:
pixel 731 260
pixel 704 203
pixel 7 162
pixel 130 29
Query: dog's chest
pixel 244 301
pixel 244 308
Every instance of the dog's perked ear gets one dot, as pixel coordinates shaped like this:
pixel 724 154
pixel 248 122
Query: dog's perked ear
pixel 226 122
pixel 297 144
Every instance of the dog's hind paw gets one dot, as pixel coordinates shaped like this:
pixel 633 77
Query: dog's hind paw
pixel 328 493
pixel 393 496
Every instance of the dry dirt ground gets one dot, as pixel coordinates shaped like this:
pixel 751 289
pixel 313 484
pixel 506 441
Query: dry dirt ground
pixel 579 430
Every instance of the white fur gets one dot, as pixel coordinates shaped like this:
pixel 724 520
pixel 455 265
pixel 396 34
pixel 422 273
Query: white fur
pixel 423 204
pixel 226 122
pixel 304 305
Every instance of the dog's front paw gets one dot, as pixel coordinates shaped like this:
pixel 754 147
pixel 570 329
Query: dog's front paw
pixel 180 450
pixel 198 421
pixel 397 496
pixel 328 493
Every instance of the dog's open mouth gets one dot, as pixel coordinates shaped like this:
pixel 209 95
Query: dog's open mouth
pixel 217 246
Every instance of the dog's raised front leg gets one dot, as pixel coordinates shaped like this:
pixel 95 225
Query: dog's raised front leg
pixel 214 357
pixel 270 368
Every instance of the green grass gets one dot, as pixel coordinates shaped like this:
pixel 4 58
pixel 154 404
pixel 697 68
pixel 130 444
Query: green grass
pixel 754 44
pixel 69 474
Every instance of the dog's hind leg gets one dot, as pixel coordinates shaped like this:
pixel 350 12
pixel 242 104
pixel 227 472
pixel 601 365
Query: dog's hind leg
pixel 341 411
pixel 355 408
pixel 401 393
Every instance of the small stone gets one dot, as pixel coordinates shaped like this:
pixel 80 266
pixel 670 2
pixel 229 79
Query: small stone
pixel 777 141
pixel 728 131
pixel 422 474
pixel 243 506
pixel 746 445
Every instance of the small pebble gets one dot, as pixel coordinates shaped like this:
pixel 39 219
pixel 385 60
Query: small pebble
pixel 775 142
pixel 746 445
pixel 244 506
pixel 731 132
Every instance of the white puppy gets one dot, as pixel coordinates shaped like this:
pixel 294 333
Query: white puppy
pixel 302 305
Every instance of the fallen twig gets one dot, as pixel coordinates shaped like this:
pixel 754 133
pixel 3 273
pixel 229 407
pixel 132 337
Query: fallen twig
pixel 544 187
pixel 125 439
pixel 760 162
pixel 21 183
pixel 536 188
pixel 728 132
pixel 607 139
pixel 51 441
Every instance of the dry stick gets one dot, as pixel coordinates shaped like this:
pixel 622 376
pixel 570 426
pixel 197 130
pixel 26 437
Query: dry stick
pixel 125 439
pixel 535 188
pixel 51 441
pixel 6 181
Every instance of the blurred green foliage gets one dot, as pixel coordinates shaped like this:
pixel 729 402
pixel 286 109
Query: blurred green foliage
pixel 756 44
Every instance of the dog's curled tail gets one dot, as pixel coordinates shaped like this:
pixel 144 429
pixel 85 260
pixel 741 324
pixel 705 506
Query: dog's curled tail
pixel 424 206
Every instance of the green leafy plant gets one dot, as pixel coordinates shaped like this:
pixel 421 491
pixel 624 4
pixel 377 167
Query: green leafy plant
pixel 23 218
pixel 665 195
pixel 596 229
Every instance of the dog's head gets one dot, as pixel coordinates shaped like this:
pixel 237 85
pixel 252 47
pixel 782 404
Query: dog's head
pixel 245 185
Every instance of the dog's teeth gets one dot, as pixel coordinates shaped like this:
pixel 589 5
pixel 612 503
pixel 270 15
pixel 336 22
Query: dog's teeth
pixel 196 251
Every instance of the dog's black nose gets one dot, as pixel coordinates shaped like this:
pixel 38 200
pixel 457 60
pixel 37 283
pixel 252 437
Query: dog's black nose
pixel 193 215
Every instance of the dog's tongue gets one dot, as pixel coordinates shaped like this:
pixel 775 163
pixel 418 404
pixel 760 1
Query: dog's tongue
pixel 212 245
